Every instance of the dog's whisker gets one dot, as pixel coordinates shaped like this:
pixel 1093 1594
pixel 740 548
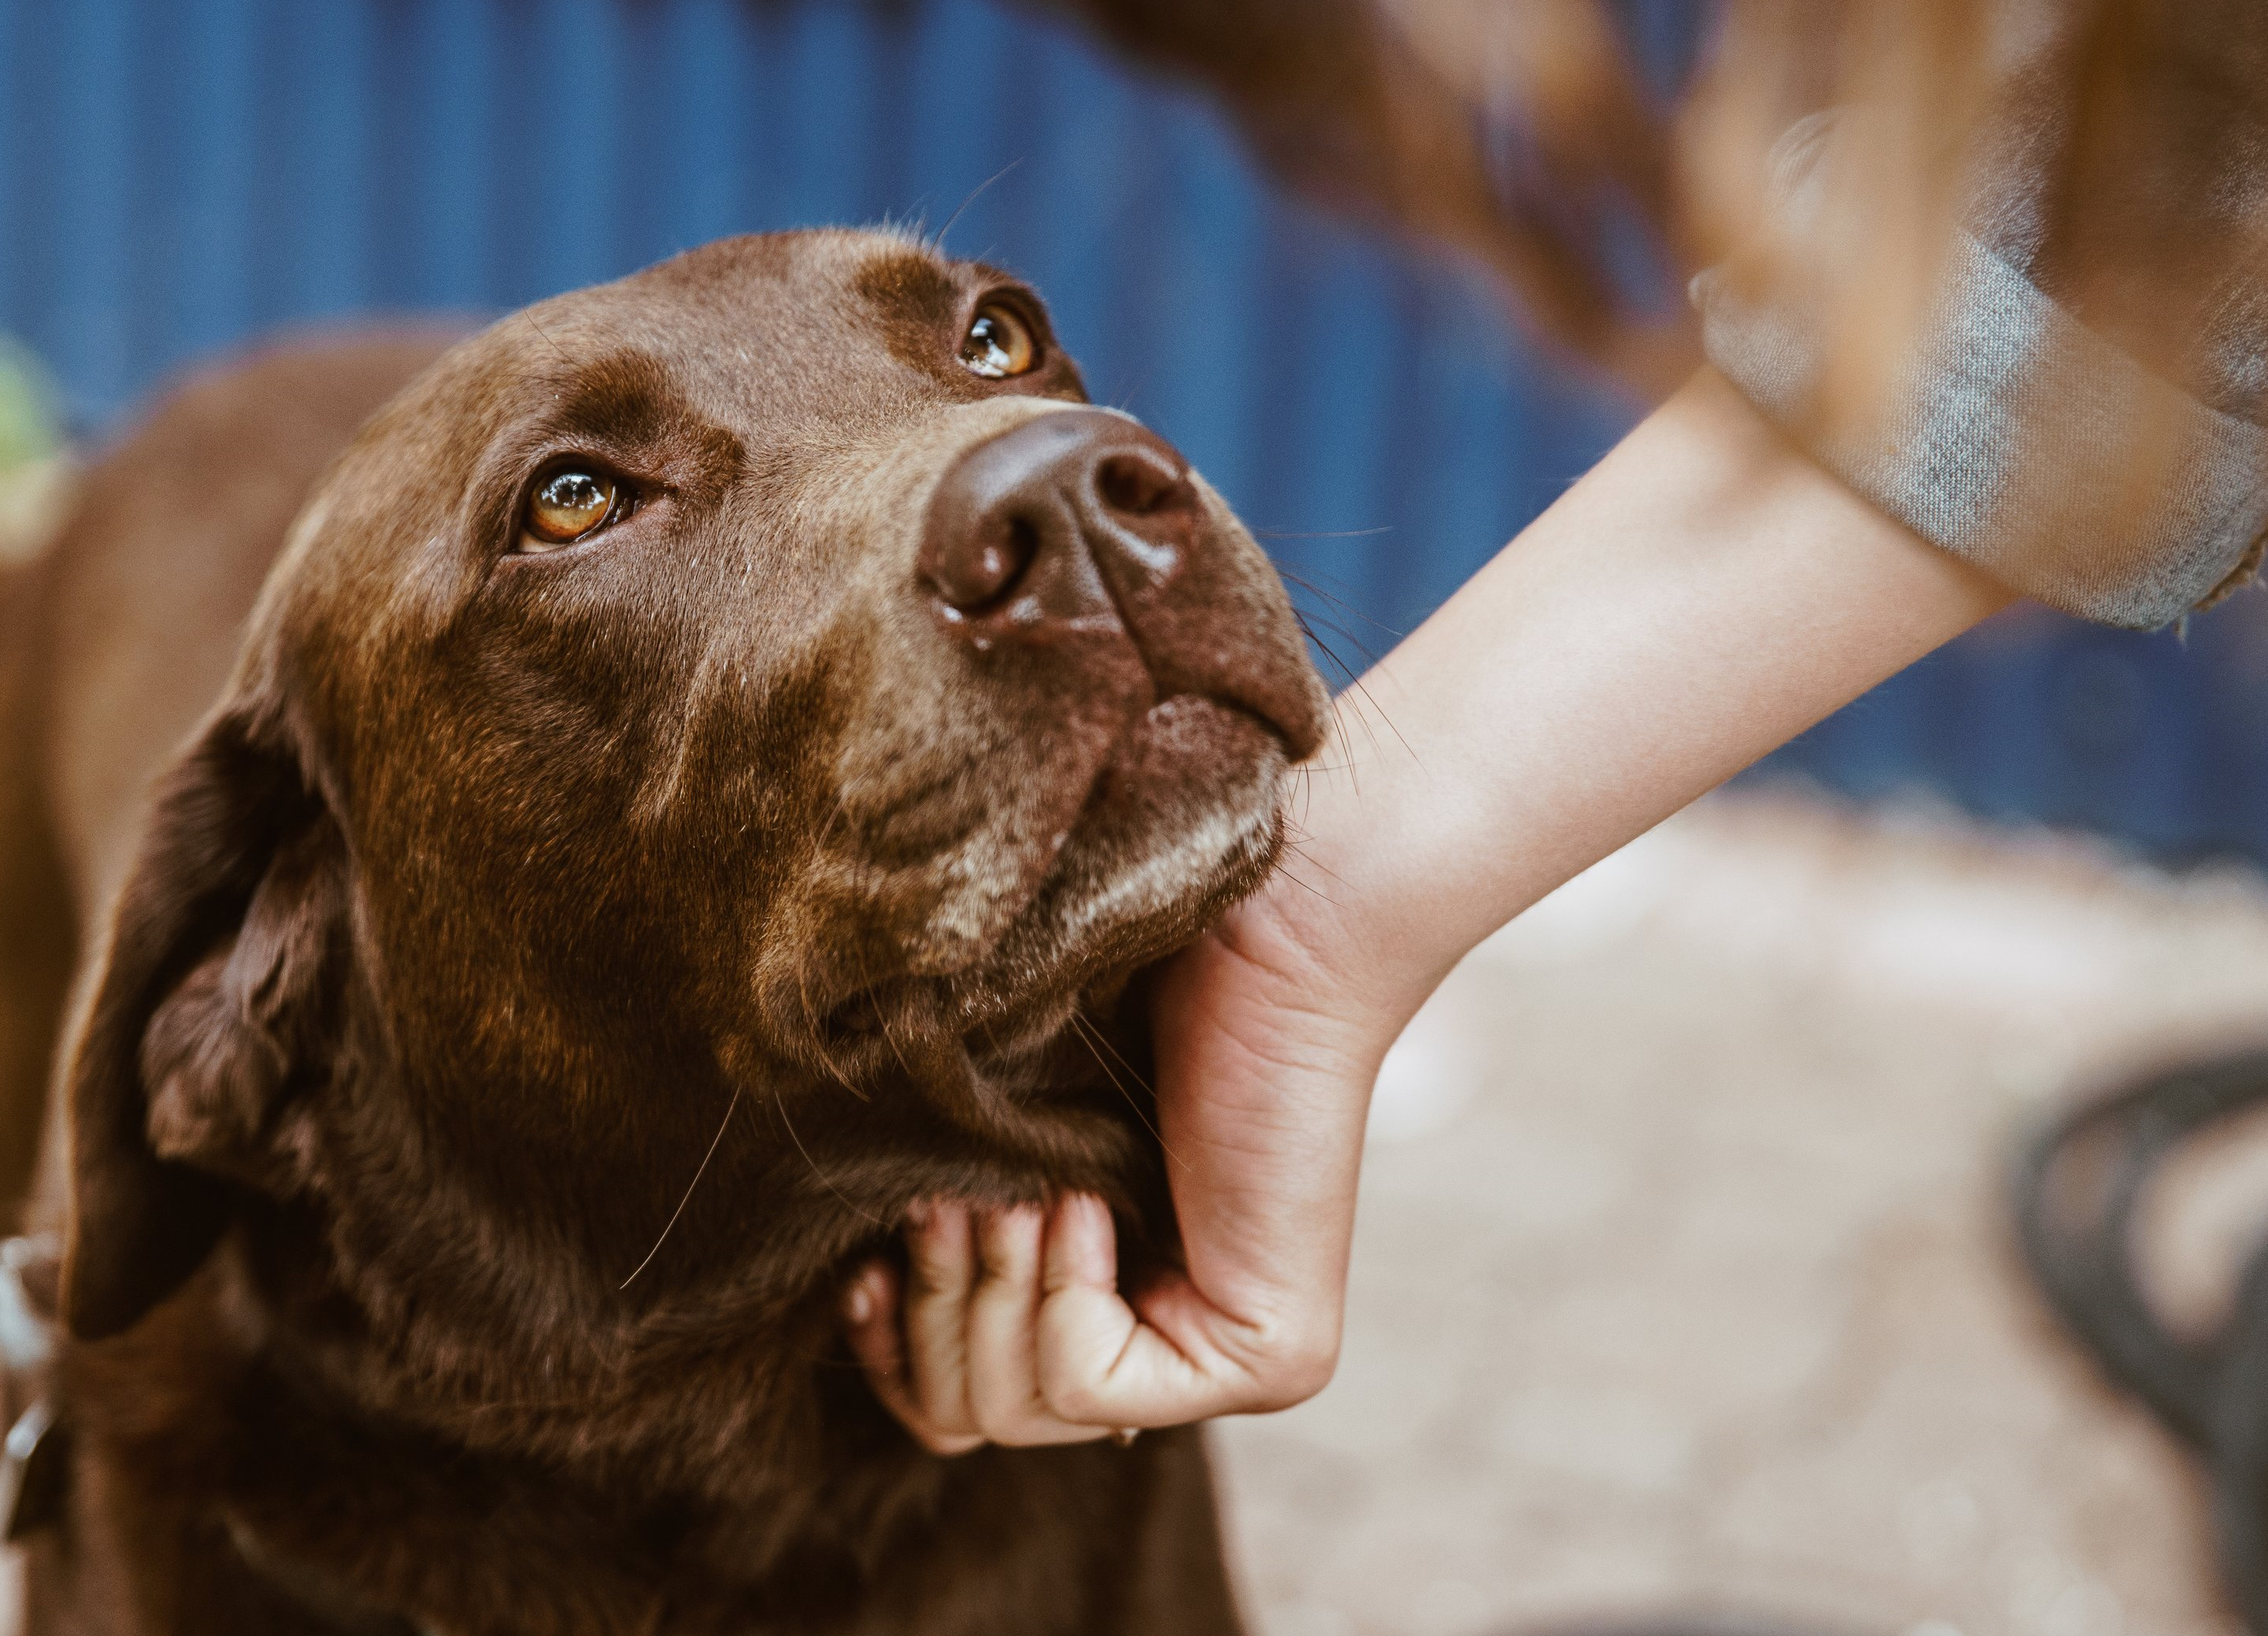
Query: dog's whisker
pixel 835 1071
pixel 1132 1072
pixel 1351 767
pixel 811 1019
pixel 1307 886
pixel 1319 587
pixel 530 316
pixel 882 1020
pixel 730 1108
pixel 1375 709
pixel 1088 1036
pixel 1328 651
pixel 1298 849
pixel 1314 628
pixel 974 194
pixel 779 1105
pixel 1342 628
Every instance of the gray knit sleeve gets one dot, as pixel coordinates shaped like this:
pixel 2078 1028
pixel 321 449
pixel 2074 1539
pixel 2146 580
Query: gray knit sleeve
pixel 2010 441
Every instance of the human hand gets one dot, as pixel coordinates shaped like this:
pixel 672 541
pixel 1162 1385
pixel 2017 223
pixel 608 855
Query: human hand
pixel 1011 1328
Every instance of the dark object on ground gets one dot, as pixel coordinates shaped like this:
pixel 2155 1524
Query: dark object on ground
pixel 2077 1188
pixel 702 746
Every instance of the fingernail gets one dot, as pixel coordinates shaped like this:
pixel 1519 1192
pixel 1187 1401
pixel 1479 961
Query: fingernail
pixel 858 1304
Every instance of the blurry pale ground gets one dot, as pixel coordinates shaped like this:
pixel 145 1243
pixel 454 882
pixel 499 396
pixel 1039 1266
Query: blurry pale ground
pixel 1681 1281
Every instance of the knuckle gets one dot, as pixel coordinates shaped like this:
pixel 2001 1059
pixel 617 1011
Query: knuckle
pixel 1077 1401
pixel 1011 1419
pixel 1303 1374
pixel 1038 1429
pixel 1293 1368
pixel 1006 1274
pixel 1015 1418
pixel 991 1423
pixel 933 1399
pixel 927 1282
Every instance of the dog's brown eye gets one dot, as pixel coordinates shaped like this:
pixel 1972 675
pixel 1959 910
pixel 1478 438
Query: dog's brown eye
pixel 567 505
pixel 998 344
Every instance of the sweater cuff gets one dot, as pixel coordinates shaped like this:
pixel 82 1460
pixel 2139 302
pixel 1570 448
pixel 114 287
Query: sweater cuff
pixel 2014 439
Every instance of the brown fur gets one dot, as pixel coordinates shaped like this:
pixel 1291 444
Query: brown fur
pixel 489 889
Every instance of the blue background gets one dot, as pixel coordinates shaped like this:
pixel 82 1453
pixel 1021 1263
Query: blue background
pixel 177 176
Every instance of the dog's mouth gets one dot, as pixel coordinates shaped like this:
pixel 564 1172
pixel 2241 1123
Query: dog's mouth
pixel 1178 819
pixel 1184 809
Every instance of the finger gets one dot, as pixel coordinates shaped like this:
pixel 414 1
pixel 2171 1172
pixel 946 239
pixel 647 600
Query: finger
pixel 1085 1327
pixel 1003 1316
pixel 941 1273
pixel 871 1321
pixel 1164 1357
pixel 1003 1381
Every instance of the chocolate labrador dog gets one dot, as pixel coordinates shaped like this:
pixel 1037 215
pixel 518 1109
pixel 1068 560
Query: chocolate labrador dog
pixel 669 792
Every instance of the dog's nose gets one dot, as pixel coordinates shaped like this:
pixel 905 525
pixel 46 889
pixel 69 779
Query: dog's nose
pixel 1043 531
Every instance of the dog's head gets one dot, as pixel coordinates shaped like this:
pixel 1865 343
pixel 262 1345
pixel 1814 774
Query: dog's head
pixel 759 697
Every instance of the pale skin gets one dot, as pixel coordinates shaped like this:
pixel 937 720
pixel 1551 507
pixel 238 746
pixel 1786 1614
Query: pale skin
pixel 1702 596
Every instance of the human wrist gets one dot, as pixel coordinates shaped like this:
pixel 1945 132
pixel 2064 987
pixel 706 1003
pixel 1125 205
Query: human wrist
pixel 1702 596
pixel 1356 909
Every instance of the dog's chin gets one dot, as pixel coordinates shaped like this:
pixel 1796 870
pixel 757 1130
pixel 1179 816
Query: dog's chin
pixel 1179 820
pixel 1183 819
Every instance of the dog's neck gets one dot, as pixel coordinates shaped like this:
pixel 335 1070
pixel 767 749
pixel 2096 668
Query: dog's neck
pixel 344 1502
pixel 356 1438
pixel 216 1470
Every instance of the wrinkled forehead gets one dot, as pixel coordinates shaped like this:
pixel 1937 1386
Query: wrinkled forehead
pixel 753 333
pixel 777 336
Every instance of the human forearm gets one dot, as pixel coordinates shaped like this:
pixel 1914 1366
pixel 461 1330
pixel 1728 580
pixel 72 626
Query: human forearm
pixel 1702 596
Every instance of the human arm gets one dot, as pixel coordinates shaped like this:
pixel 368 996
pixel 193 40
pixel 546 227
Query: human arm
pixel 1703 595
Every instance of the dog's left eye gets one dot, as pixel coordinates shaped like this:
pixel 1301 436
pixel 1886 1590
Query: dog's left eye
pixel 571 503
pixel 999 343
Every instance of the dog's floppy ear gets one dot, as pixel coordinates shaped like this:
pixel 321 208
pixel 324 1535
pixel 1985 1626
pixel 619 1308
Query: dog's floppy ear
pixel 216 994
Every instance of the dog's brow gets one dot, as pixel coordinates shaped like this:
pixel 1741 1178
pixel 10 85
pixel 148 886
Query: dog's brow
pixel 624 394
pixel 909 283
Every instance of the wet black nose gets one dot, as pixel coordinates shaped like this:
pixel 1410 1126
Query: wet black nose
pixel 1043 530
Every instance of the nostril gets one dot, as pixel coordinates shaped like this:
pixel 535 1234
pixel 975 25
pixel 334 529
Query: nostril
pixel 987 567
pixel 1006 562
pixel 1140 483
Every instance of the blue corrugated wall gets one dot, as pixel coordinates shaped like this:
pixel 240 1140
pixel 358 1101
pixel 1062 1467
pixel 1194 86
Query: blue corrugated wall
pixel 178 175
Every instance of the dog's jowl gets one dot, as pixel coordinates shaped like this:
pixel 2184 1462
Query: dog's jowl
pixel 750 710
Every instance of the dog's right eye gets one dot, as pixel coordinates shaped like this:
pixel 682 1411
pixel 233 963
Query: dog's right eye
pixel 571 503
